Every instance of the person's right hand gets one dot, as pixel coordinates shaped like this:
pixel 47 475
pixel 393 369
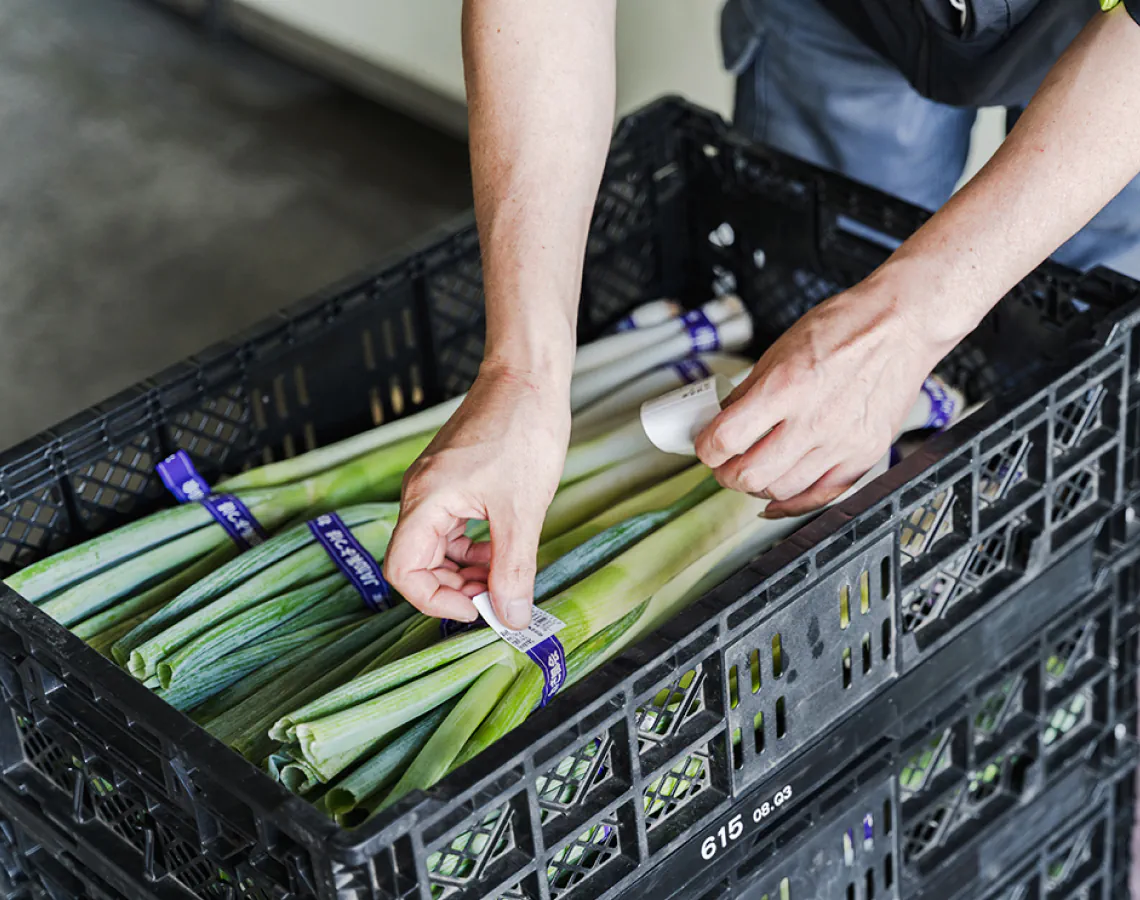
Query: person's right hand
pixel 499 459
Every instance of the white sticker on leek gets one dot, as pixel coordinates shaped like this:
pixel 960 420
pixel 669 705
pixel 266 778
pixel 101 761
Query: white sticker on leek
pixel 542 625
pixel 673 422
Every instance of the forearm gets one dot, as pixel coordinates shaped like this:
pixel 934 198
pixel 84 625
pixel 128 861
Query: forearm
pixel 1075 147
pixel 540 90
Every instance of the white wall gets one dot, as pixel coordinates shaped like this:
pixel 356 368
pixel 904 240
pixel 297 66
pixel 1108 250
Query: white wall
pixel 671 47
pixel 663 47
pixel 416 39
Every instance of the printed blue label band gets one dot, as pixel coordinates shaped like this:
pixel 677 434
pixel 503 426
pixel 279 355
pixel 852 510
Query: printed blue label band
pixel 450 627
pixel 537 641
pixel 183 480
pixel 550 656
pixel 353 560
pixel 942 406
pixel 703 336
pixel 691 370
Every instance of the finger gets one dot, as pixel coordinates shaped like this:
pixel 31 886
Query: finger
pixel 768 460
pixel 413 563
pixel 801 476
pixel 467 552
pixel 475 573
pixel 824 491
pixel 450 579
pixel 514 552
pixel 449 603
pixel 736 428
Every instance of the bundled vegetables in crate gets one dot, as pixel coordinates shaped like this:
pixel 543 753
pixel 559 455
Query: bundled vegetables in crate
pixel 258 608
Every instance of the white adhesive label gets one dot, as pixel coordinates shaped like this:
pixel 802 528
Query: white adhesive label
pixel 672 422
pixel 542 625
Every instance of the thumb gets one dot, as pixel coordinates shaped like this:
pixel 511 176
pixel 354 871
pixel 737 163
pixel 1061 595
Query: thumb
pixel 514 550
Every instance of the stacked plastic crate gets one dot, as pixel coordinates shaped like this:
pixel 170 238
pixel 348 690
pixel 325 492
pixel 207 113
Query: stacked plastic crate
pixel 929 692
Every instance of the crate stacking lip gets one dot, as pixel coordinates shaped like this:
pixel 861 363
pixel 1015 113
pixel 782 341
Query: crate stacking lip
pixel 1004 518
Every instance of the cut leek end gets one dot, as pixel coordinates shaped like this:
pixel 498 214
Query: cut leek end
pixel 137 666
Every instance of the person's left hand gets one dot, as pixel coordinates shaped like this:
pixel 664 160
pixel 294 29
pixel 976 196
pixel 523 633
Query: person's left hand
pixel 823 404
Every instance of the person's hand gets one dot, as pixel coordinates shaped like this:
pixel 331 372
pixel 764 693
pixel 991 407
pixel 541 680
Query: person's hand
pixel 499 459
pixel 823 404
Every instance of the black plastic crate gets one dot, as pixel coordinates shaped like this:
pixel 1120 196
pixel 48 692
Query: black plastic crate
pixel 958 782
pixel 851 606
pixel 41 862
pixel 938 785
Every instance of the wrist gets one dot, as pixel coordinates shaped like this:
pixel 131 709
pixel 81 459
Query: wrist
pixel 937 305
pixel 542 359
pixel 538 374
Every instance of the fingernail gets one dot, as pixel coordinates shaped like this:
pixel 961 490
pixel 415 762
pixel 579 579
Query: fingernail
pixel 770 513
pixel 518 613
pixel 468 615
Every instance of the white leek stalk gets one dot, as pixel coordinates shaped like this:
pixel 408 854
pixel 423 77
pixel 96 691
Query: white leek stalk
pixel 621 346
pixel 649 314
pixel 623 404
pixel 589 387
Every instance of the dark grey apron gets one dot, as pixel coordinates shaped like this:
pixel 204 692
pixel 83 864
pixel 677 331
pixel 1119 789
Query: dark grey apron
pixel 995 53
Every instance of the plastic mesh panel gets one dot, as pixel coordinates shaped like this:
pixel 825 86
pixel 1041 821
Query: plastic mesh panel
pixel 1064 864
pixel 114 484
pixel 28 527
pixel 581 857
pixel 465 855
pixel 997 708
pixel 670 708
pixel 185 862
pixel 1070 652
pixel 564 785
pixel 927 524
pixel 1078 418
pixel 122 814
pixel 964 575
pixel 456 299
pixel 1068 719
pixel 925 765
pixel 1002 471
pixel 624 210
pixel 215 429
pixel 675 789
pixel 47 754
pixel 1076 493
pixel 1002 779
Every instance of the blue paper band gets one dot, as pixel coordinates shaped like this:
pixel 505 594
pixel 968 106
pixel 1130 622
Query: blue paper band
pixel 942 406
pixel 353 560
pixel 451 627
pixel 550 656
pixel 626 324
pixel 703 336
pixel 183 480
pixel 691 370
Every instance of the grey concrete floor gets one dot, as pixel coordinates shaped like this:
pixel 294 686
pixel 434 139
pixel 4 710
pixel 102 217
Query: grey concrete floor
pixel 160 190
